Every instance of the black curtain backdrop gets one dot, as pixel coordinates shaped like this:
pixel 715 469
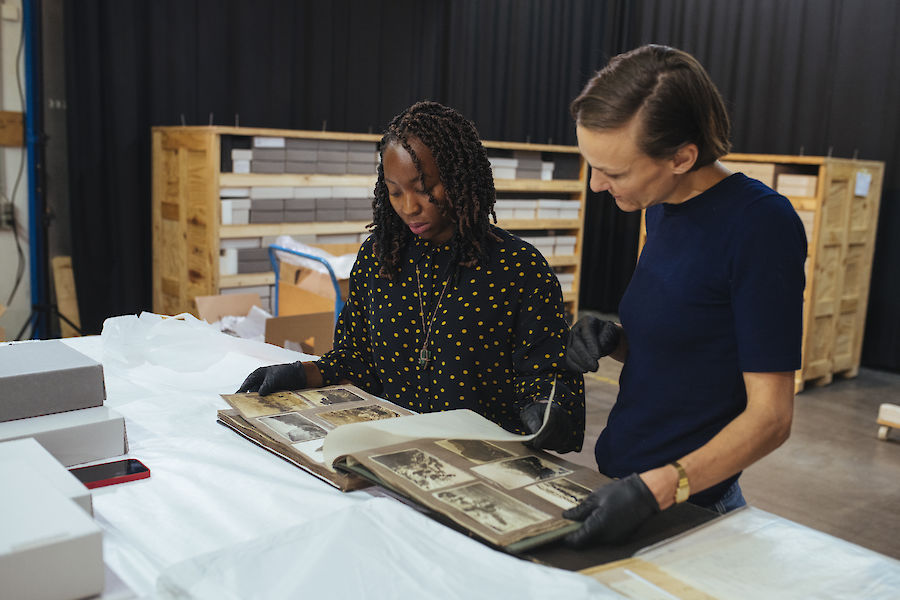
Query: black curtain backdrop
pixel 793 72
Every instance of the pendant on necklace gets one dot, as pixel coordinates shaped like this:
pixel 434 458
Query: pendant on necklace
pixel 424 357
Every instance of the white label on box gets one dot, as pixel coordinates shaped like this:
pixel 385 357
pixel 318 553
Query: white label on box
pixel 268 142
pixel 240 166
pixel 863 181
pixel 234 192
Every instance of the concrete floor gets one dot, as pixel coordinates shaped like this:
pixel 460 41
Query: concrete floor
pixel 833 474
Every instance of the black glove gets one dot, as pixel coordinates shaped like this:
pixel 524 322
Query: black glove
pixel 557 435
pixel 612 512
pixel 590 340
pixel 275 378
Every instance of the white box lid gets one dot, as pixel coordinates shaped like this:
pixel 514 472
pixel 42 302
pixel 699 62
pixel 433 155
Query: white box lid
pixel 33 513
pixel 29 453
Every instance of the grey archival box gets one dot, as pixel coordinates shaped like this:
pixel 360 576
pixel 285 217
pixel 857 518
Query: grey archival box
pixel 46 377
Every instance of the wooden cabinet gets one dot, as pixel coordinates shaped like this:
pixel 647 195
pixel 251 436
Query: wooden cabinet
pixel 193 169
pixel 837 200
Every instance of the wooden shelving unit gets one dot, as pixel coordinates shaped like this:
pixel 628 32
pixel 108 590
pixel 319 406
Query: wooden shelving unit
pixel 187 229
pixel 841 219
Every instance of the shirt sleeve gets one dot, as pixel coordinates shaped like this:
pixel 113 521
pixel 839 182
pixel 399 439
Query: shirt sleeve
pixel 767 287
pixel 351 356
pixel 539 349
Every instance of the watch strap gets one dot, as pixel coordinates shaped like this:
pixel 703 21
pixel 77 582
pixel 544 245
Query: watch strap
pixel 683 489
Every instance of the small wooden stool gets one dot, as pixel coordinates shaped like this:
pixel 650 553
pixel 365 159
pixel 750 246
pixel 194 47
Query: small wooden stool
pixel 888 417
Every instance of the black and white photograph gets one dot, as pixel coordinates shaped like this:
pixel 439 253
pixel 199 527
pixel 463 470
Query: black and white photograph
pixel 477 451
pixel 373 412
pixel 294 427
pixel 252 405
pixel 423 469
pixel 516 472
pixel 492 508
pixel 561 492
pixel 329 397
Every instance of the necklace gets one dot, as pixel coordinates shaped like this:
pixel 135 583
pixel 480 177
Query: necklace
pixel 424 354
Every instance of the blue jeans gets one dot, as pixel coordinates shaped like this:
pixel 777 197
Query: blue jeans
pixel 730 500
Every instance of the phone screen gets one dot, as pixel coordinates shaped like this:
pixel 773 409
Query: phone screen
pixel 110 473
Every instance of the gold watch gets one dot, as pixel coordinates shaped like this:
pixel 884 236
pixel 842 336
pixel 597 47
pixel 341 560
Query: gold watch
pixel 683 490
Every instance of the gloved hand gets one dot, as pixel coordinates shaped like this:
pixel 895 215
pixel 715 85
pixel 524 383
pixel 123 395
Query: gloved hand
pixel 589 340
pixel 558 433
pixel 612 512
pixel 275 378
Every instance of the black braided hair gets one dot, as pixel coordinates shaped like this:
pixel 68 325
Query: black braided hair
pixel 464 171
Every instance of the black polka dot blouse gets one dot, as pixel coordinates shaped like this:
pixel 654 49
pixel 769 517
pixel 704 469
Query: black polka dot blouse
pixel 490 338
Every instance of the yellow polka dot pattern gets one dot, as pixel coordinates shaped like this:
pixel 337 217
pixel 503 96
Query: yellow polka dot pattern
pixel 497 339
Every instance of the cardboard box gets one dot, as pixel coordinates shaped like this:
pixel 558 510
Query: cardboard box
pixel 213 308
pixel 49 547
pixel 311 333
pixel 37 460
pixel 46 377
pixel 305 291
pixel 73 437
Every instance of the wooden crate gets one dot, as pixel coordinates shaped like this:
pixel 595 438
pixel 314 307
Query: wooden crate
pixel 840 228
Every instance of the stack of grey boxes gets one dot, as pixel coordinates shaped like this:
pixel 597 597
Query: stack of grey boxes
pixel 529 166
pixel 306 156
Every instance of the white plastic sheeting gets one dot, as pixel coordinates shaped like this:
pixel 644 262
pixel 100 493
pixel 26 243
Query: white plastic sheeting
pixel 212 494
pixel 222 518
pixel 377 549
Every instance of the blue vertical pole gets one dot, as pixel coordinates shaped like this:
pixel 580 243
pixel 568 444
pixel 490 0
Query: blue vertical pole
pixel 36 232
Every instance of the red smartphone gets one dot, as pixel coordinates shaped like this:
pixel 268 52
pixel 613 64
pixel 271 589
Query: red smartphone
pixel 111 473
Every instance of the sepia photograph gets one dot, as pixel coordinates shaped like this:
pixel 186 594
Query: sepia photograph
pixel 373 412
pixel 252 405
pixel 520 471
pixel 422 469
pixel 477 451
pixel 293 427
pixel 329 397
pixel 561 492
pixel 492 508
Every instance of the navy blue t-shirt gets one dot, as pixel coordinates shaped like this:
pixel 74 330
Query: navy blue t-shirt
pixel 718 291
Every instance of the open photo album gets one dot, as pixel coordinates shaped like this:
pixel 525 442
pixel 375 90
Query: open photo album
pixel 464 469
pixel 293 425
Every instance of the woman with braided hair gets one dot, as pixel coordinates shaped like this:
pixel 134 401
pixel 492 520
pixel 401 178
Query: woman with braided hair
pixel 445 309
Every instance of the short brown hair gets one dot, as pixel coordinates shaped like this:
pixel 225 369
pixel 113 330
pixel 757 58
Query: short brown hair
pixel 677 101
